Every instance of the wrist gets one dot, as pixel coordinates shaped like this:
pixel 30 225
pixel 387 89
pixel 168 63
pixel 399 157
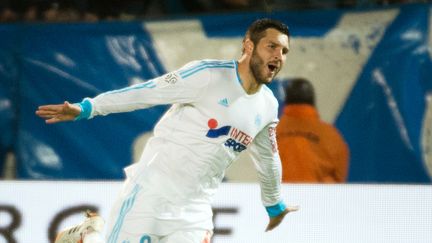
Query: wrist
pixel 86 109
pixel 276 210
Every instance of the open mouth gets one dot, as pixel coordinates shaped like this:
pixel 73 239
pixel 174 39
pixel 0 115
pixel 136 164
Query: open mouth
pixel 272 67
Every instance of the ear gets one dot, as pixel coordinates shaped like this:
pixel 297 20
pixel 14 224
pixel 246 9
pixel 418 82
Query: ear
pixel 248 46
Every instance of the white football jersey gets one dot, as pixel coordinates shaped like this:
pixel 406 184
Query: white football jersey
pixel 211 121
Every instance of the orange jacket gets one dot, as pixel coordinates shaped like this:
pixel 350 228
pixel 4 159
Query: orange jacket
pixel 310 149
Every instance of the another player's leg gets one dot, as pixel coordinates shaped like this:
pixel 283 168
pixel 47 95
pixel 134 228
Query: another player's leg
pixel 92 226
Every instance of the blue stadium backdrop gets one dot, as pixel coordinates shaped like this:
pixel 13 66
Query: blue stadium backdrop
pixel 372 70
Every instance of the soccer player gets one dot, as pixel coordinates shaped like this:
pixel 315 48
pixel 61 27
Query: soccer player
pixel 219 108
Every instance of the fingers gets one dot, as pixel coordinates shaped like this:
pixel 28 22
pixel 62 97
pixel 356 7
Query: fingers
pixel 272 225
pixel 52 108
pixel 49 114
pixel 42 113
pixel 50 119
pixel 292 208
pixel 269 228
pixel 274 222
pixel 53 120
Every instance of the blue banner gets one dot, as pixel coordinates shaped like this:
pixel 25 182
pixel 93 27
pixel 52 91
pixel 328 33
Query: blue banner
pixel 70 62
pixel 372 71
pixel 8 90
pixel 383 117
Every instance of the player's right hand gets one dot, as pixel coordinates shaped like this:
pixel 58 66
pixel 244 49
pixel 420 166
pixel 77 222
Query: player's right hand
pixel 275 221
pixel 58 113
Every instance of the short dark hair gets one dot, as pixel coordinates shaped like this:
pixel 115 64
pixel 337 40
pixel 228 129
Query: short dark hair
pixel 299 91
pixel 256 30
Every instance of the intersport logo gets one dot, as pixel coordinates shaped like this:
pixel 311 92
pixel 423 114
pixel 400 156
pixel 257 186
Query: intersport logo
pixel 238 140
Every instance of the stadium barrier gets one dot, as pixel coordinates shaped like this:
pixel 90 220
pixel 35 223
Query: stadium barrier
pixel 33 211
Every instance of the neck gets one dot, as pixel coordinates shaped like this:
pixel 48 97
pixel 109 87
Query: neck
pixel 249 83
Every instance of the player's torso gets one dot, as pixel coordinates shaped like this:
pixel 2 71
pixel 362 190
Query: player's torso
pixel 232 117
pixel 200 139
pixel 224 114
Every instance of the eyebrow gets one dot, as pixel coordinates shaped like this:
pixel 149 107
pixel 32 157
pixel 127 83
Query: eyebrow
pixel 285 49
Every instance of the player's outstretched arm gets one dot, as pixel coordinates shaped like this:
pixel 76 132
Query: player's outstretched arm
pixel 58 113
pixel 275 221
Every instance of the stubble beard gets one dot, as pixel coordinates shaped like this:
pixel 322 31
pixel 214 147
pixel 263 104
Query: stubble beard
pixel 256 64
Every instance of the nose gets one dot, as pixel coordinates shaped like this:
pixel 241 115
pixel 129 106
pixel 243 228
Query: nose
pixel 278 55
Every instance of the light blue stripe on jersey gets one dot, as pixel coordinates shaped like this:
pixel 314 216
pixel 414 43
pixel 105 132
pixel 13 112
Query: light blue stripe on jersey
pixel 125 208
pixel 206 64
pixel 149 84
pixel 201 63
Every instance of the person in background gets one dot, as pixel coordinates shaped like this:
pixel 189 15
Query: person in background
pixel 311 150
pixel 8 14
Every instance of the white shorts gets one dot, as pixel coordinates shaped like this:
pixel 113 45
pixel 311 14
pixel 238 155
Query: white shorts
pixel 195 236
pixel 142 215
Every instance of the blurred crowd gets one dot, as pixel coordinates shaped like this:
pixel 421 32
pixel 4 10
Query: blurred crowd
pixel 95 10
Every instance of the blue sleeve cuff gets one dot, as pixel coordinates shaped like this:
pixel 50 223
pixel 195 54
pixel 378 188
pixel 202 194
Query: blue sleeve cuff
pixel 275 210
pixel 86 109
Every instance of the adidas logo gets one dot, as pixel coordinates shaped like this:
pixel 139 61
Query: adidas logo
pixel 223 102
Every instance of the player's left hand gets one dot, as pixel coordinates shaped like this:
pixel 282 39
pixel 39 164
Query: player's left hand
pixel 275 221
